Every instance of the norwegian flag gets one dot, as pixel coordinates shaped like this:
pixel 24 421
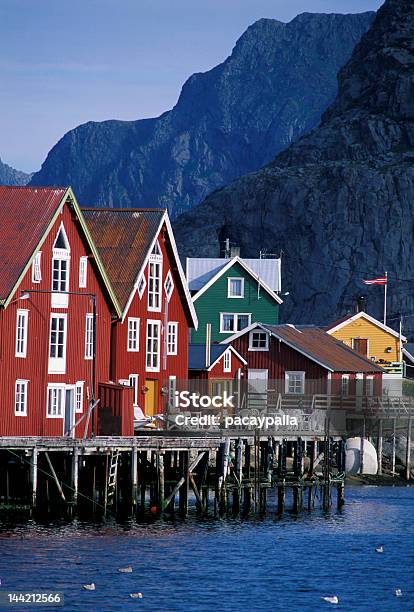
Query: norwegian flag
pixel 382 280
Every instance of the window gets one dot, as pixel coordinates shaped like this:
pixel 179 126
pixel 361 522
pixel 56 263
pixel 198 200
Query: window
pixel 370 386
pixel 154 279
pixel 172 387
pixel 21 332
pixel 133 382
pixel 360 345
pixel 169 285
pixel 55 401
pixel 142 283
pixel 60 270
pixel 258 341
pixel 133 334
pixel 345 385
pixel 295 382
pixel 57 344
pixel 79 396
pixel 89 337
pixel 153 346
pixel 172 338
pixel 232 322
pixel 235 287
pixel 83 270
pixel 227 361
pixel 36 268
pixel 20 405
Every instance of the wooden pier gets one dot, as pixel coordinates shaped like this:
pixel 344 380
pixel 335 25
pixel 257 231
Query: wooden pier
pixel 161 472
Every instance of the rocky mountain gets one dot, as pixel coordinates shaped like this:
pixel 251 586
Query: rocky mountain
pixel 228 121
pixel 10 176
pixel 339 203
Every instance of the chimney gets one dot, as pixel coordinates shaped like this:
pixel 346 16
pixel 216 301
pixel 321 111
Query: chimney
pixel 361 304
pixel 234 251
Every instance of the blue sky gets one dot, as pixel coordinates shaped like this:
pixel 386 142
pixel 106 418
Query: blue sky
pixel 65 62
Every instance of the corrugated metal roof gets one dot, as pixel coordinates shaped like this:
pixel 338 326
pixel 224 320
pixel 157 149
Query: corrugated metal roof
pixel 25 213
pixel 200 270
pixel 323 348
pixel 123 238
pixel 197 355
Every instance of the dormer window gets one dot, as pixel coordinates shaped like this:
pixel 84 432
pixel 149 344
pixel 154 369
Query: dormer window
pixel 154 278
pixel 60 270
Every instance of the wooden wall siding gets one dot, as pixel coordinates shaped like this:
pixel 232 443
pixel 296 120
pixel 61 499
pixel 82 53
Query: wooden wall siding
pixel 379 339
pixel 209 305
pixel 116 412
pixel 35 366
pixel 125 363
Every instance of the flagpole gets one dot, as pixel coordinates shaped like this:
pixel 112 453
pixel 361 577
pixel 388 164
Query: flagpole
pixel 385 298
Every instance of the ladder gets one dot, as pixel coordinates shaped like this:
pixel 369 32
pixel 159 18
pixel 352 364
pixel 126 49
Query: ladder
pixel 111 478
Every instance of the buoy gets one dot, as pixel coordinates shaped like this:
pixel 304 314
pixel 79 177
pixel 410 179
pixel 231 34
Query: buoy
pixel 154 509
pixel 136 595
pixel 380 549
pixel 125 570
pixel 331 599
pixel 398 592
pixel 89 587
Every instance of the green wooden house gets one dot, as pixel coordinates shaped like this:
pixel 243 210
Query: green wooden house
pixel 230 294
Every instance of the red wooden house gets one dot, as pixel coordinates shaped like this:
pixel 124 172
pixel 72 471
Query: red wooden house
pixel 304 360
pixel 50 275
pixel 149 343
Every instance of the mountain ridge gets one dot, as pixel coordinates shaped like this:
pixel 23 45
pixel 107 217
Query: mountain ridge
pixel 338 202
pixel 11 176
pixel 227 121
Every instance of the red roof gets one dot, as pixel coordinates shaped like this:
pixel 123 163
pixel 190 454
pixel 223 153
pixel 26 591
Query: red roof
pixel 25 213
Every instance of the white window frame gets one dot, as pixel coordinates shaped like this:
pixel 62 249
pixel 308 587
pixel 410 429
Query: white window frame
pixel 58 388
pixel 24 384
pixel 258 348
pixel 172 337
pixel 287 379
pixel 57 365
pixel 156 325
pixel 155 280
pixel 169 279
pixel 227 361
pixel 133 335
pixel 79 394
pixel 229 294
pixel 133 380
pixel 141 285
pixel 83 272
pixel 89 336
pixel 369 389
pixel 345 377
pixel 22 316
pixel 60 299
pixel 235 316
pixel 37 268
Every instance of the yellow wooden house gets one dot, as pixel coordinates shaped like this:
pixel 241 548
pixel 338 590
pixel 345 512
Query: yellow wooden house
pixel 377 342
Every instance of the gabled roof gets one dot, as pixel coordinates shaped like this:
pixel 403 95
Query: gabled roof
pixel 125 238
pixel 197 355
pixel 228 263
pixel 344 321
pixel 202 269
pixel 408 351
pixel 26 217
pixel 317 345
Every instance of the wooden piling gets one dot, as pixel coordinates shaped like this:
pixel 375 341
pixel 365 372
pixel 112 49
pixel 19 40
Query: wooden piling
pixel 34 476
pixel 394 433
pixel 379 447
pixel 183 491
pixel 408 451
pixel 75 475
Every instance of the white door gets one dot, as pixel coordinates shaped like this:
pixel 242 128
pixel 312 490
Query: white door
pixel 257 386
